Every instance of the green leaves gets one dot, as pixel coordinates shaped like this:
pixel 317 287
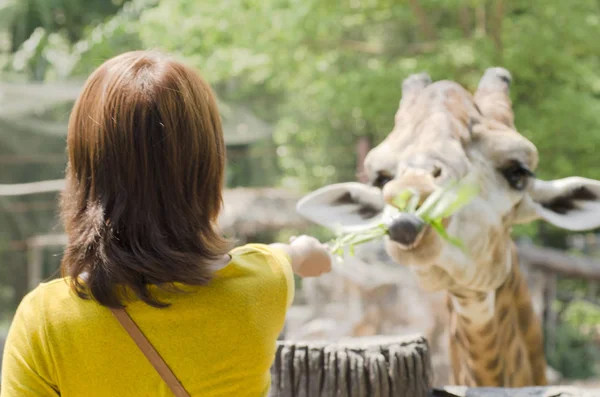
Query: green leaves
pixel 441 204
pixel 349 240
pixel 449 200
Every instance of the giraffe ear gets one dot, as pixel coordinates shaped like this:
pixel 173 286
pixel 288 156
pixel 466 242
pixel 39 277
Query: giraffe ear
pixel 570 203
pixel 343 207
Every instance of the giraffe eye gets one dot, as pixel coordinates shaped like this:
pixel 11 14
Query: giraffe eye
pixel 517 175
pixel 381 180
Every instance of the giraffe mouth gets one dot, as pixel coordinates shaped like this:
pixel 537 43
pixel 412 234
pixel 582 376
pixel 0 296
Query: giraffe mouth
pixel 407 231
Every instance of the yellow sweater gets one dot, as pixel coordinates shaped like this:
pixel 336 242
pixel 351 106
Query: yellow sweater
pixel 219 339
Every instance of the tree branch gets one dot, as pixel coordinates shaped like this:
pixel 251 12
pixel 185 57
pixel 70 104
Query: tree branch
pixel 464 18
pixel 374 49
pixel 480 23
pixel 496 30
pixel 425 26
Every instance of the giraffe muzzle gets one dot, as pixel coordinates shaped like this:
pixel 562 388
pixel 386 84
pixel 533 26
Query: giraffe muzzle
pixel 407 230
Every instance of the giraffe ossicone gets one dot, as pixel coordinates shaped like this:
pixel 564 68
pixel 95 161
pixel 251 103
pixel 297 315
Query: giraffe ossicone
pixel 442 132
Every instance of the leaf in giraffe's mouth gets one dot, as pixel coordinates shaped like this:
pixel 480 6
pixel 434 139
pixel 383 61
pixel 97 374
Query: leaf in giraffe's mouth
pixel 441 204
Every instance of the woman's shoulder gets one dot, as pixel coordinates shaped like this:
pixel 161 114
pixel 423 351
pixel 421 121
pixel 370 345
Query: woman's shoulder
pixel 260 249
pixel 266 260
pixel 48 293
pixel 55 302
pixel 46 312
pixel 261 258
pixel 56 290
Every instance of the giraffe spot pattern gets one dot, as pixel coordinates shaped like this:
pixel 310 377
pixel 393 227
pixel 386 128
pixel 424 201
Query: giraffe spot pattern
pixel 468 337
pixel 519 358
pixel 502 312
pixel 524 314
pixel 492 364
pixel 487 330
pixel 474 355
pixel 476 379
pixel 511 333
pixel 499 379
pixel 492 343
pixel 498 353
pixel 466 319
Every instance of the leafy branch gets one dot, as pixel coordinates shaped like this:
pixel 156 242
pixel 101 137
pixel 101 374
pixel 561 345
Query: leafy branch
pixel 441 204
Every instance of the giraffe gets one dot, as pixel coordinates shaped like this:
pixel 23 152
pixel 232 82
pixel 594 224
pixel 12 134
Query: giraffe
pixel 442 132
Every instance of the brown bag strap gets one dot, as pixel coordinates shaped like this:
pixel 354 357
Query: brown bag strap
pixel 151 354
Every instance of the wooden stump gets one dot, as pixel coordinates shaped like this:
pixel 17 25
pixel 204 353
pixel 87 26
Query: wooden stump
pixel 357 367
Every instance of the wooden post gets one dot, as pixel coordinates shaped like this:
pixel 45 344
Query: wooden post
pixel 35 259
pixel 362 149
pixel 34 266
pixel 551 315
pixel 592 290
pixel 358 367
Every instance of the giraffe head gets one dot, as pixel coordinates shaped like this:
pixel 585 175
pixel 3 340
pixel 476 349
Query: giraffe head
pixel 441 133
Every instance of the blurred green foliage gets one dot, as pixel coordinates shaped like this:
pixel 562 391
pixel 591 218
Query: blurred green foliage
pixel 39 30
pixel 574 355
pixel 327 72
pixel 330 73
pixel 576 351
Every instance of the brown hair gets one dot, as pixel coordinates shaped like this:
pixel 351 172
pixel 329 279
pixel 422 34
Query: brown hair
pixel 144 180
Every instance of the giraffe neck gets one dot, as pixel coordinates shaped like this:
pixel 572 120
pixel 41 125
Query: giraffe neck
pixel 495 337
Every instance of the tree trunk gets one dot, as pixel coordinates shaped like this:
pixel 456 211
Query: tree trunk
pixel 497 20
pixel 480 20
pixel 551 315
pixel 362 149
pixel 427 29
pixel 464 19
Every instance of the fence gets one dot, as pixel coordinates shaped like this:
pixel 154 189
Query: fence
pixel 546 267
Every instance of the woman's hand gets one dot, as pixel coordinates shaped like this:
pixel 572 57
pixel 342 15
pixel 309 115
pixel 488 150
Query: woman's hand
pixel 310 257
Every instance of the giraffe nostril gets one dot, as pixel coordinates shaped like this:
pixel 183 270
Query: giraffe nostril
pixel 437 172
pixel 406 229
